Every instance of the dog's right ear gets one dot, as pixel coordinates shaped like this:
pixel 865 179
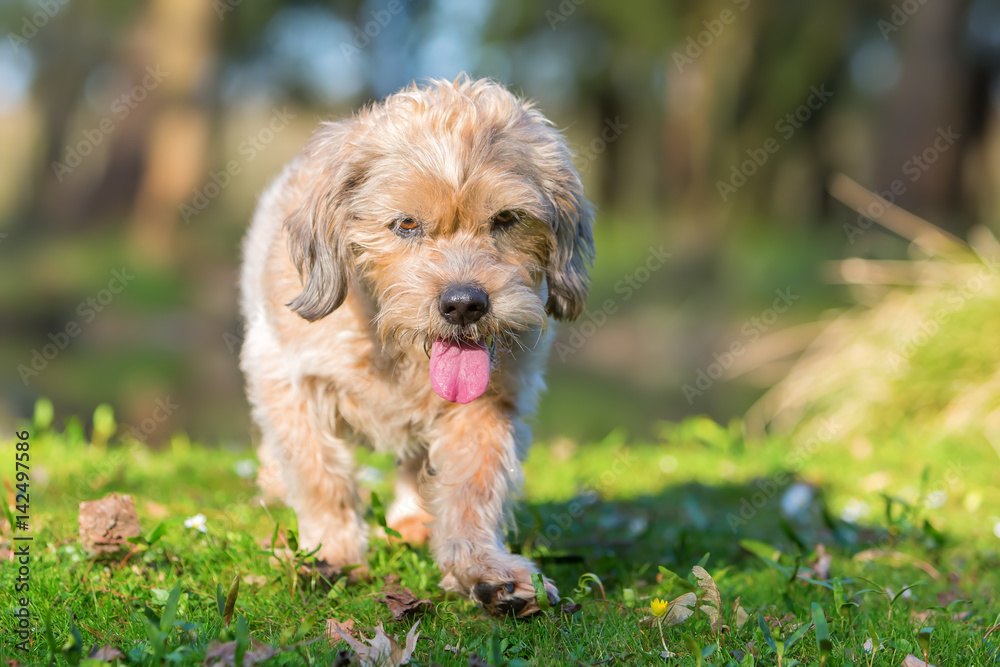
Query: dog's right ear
pixel 316 228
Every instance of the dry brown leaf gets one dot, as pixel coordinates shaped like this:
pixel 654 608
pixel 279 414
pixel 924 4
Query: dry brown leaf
pixel 680 609
pixel 713 608
pixel 383 650
pixel 107 653
pixel 334 629
pixel 223 654
pixel 914 661
pixel 402 602
pixel 106 524
pixel 742 616
pixel 570 608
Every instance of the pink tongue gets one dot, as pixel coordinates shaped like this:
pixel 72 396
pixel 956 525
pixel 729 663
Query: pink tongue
pixel 460 372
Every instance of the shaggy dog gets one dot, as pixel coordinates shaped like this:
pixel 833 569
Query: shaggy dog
pixel 397 285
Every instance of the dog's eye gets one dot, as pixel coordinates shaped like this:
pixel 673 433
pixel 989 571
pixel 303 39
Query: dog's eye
pixel 505 219
pixel 406 227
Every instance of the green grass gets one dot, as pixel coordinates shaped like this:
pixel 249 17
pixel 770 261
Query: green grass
pixel 628 513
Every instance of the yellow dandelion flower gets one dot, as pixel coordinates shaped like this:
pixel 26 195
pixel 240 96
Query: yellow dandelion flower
pixel 659 607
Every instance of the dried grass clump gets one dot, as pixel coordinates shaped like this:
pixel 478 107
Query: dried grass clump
pixel 921 352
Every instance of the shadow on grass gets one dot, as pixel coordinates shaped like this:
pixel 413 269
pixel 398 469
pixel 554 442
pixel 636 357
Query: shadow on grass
pixel 622 538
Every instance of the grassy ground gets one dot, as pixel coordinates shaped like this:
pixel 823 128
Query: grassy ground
pixel 611 522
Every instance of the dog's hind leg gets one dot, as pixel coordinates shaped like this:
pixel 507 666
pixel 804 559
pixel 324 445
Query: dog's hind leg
pixel 407 515
pixel 316 467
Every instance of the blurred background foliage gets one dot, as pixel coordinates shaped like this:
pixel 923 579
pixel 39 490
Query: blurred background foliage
pixel 136 137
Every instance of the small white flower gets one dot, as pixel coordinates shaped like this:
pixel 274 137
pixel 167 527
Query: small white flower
pixel 936 499
pixel 855 510
pixel 796 499
pixel 197 522
pixel 668 464
pixel 996 529
pixel 245 468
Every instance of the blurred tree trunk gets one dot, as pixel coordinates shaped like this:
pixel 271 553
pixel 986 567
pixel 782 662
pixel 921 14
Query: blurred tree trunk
pixel 179 37
pixel 927 99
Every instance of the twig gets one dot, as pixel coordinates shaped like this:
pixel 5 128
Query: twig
pixel 928 236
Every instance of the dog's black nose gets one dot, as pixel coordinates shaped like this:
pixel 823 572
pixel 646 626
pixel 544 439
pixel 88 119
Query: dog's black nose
pixel 463 304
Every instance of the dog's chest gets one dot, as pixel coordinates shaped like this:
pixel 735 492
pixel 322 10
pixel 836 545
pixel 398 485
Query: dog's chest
pixel 386 400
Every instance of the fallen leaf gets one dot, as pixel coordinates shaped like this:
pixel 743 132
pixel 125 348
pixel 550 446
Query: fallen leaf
pixel 223 654
pixel 335 628
pixel 868 645
pixel 106 524
pixel 914 661
pixel 570 608
pixel 383 650
pixel 742 616
pixel 713 608
pixel 107 653
pixel 452 649
pixel 922 616
pixel 402 602
pixel 680 609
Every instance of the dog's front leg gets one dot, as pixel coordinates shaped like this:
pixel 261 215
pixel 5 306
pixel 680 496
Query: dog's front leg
pixel 475 468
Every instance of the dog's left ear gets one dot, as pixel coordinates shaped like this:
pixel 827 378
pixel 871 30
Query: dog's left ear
pixel 567 269
pixel 316 229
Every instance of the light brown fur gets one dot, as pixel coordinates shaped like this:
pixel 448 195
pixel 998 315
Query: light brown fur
pixel 339 309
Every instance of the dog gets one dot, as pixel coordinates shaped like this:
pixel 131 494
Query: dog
pixel 398 283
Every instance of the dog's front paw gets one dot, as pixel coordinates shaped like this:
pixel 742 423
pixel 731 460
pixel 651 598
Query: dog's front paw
pixel 513 598
pixel 508 591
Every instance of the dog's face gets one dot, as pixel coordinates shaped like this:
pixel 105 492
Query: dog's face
pixel 457 206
